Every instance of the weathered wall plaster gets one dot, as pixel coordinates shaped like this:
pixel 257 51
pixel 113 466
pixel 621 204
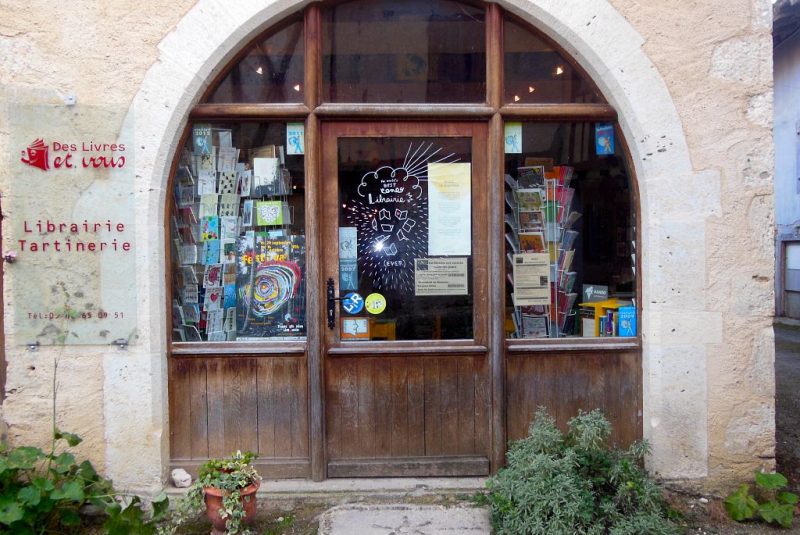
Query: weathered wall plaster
pixel 693 106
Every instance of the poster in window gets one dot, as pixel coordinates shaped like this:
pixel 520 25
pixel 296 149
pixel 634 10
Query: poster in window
pixel 270 285
pixel 449 209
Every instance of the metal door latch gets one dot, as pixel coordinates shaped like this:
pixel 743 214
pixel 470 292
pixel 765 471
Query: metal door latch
pixel 331 292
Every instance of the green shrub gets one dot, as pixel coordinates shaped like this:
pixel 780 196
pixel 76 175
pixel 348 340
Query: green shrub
pixel 777 507
pixel 46 492
pixel 575 484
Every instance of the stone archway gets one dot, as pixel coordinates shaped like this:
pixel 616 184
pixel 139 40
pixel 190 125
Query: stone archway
pixel 660 157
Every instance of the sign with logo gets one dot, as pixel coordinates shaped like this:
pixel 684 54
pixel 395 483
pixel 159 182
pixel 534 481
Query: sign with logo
pixel 71 225
pixel 376 303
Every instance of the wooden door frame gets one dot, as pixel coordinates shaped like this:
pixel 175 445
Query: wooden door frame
pixel 330 347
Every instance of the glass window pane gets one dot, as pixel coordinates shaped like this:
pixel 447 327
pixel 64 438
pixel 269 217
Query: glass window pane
pixel 570 233
pixel 238 234
pixel 271 71
pixel 405 238
pixel 414 51
pixel 536 72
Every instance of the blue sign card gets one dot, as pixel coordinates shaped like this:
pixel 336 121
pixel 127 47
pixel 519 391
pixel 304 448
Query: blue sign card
pixel 626 321
pixel 604 138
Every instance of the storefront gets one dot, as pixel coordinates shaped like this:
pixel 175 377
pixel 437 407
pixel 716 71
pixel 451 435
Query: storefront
pixel 370 238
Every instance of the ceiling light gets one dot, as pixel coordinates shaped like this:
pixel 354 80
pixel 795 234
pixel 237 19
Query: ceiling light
pixel 559 70
pixel 260 70
pixel 297 87
pixel 516 98
pixel 531 89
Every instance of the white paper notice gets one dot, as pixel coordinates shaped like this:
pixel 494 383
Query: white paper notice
pixel 440 276
pixel 449 209
pixel 513 138
pixel 531 279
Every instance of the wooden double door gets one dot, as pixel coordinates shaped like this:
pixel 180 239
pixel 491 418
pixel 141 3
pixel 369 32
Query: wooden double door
pixel 404 284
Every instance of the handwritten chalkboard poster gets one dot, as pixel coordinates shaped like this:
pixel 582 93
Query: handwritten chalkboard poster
pixel 384 187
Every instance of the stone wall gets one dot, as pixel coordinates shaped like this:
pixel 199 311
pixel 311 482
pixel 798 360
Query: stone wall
pixel 692 83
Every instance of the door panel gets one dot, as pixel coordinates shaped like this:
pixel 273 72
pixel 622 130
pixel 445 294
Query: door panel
pixel 411 395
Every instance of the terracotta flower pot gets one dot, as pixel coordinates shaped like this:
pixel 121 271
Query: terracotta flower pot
pixel 213 499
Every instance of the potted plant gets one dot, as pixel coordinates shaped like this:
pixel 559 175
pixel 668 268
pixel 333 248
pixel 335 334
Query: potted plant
pixel 228 488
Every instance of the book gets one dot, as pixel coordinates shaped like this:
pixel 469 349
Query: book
pixel 201 138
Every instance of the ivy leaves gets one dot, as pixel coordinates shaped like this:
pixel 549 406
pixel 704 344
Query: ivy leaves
pixel 779 509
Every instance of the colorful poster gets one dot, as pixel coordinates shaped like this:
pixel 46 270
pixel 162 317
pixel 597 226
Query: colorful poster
pixel 449 209
pixel 270 287
pixel 440 276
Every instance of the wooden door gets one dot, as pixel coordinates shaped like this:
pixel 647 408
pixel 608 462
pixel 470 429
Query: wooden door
pixel 405 273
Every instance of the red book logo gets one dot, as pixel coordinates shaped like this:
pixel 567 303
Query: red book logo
pixel 36 155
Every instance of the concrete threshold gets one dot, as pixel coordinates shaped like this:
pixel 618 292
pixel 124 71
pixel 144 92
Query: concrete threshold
pixel 354 488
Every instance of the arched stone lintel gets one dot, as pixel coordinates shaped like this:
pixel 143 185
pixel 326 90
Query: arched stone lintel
pixel 173 85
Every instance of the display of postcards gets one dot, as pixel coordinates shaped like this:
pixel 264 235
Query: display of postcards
pixel 209 228
pixel 190 294
pixel 247 213
pixel 267 151
pixel 511 200
pixel 191 334
pixel 227 182
pixel 281 155
pixel 244 178
pixel 213 299
pixel 530 221
pixel 188 254
pixel 210 252
pixel 212 276
pixel 270 213
pixel 177 335
pixel 209 205
pixel 226 161
pixel 228 227
pixel 201 139
pixel 214 320
pixel 565 196
pixel 217 336
pixel 266 177
pixel 531 177
pixel 534 326
pixel 229 296
pixel 531 242
pixel 227 251
pixel 271 287
pixel 191 313
pixel 229 205
pixel 529 200
pixel 185 195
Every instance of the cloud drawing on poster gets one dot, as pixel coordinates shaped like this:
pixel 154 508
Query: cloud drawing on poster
pixel 390 213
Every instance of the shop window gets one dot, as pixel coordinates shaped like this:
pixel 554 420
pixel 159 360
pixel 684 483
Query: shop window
pixel 570 233
pixel 537 72
pixel 238 234
pixel 270 71
pixel 415 51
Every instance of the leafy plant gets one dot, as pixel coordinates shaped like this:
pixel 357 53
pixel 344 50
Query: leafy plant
pixel 777 508
pixel 575 484
pixel 46 492
pixel 230 475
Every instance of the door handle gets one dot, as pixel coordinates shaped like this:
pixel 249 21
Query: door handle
pixel 331 292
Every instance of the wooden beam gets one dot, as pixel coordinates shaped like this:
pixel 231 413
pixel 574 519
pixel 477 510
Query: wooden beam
pixel 559 112
pixel 406 111
pixel 494 56
pixel 253 112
